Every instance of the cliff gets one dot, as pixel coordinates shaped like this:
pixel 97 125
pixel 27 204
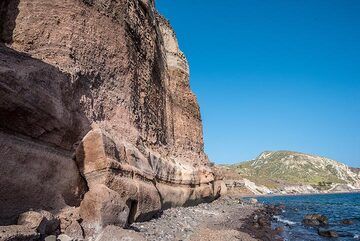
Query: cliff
pixel 96 114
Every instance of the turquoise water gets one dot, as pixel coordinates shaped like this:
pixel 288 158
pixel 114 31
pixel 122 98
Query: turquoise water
pixel 336 207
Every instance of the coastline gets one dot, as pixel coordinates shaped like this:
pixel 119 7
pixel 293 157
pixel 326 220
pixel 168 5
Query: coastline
pixel 259 224
pixel 339 210
pixel 227 218
pixel 294 194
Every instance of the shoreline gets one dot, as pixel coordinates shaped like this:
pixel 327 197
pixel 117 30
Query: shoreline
pixel 227 218
pixel 295 194
pixel 259 225
pixel 338 209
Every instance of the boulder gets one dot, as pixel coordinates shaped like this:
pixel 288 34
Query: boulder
pixel 101 207
pixel 42 221
pixel 70 222
pixel 64 237
pixel 328 233
pixel 347 222
pixel 315 220
pixel 279 230
pixel 74 230
pixel 281 206
pixel 253 200
pixel 262 222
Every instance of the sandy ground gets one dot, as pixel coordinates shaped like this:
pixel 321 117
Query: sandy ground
pixel 225 219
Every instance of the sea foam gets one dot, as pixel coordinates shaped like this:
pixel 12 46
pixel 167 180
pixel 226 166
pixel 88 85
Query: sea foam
pixel 279 219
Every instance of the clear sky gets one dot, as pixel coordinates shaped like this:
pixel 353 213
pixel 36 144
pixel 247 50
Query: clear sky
pixel 273 75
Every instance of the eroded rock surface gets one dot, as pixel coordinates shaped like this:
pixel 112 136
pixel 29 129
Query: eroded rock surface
pixel 43 222
pixel 96 113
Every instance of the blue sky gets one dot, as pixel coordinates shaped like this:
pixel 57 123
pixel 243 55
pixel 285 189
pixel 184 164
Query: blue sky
pixel 273 75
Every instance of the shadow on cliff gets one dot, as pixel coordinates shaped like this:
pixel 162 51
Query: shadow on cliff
pixel 41 122
pixel 8 14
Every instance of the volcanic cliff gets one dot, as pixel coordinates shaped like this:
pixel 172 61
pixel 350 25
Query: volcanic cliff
pixel 97 118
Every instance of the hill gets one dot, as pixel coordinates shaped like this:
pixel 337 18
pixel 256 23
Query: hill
pixel 283 168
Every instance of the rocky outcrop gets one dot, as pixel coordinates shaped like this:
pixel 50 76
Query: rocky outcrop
pixel 245 187
pixel 96 113
pixel 315 220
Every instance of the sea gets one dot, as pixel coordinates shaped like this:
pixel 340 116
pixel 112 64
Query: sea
pixel 337 207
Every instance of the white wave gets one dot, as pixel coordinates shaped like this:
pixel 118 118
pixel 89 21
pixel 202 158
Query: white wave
pixel 356 236
pixel 279 219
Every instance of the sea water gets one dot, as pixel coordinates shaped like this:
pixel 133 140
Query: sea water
pixel 337 207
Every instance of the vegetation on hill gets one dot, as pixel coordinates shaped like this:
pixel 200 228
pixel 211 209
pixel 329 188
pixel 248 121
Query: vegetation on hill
pixel 278 168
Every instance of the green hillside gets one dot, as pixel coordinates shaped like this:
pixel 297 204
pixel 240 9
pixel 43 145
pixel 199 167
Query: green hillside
pixel 286 167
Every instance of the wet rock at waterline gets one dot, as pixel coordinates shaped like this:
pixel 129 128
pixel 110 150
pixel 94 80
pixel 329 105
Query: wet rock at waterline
pixel 315 220
pixel 328 233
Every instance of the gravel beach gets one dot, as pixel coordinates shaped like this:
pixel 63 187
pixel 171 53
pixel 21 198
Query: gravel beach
pixel 227 218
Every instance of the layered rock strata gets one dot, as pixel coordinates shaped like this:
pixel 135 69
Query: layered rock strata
pixel 97 113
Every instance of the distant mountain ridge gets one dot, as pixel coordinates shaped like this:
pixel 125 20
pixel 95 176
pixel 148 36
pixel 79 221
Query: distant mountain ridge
pixel 279 168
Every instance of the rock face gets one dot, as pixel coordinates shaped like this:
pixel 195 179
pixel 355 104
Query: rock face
pixel 96 112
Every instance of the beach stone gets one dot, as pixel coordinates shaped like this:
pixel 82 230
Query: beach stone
pixel 74 230
pixel 50 238
pixel 279 229
pixel 43 222
pixel 253 201
pixel 70 223
pixel 262 222
pixel 256 225
pixel 315 220
pixel 64 237
pixel 328 233
pixel 347 222
pixel 281 206
pixel 273 210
